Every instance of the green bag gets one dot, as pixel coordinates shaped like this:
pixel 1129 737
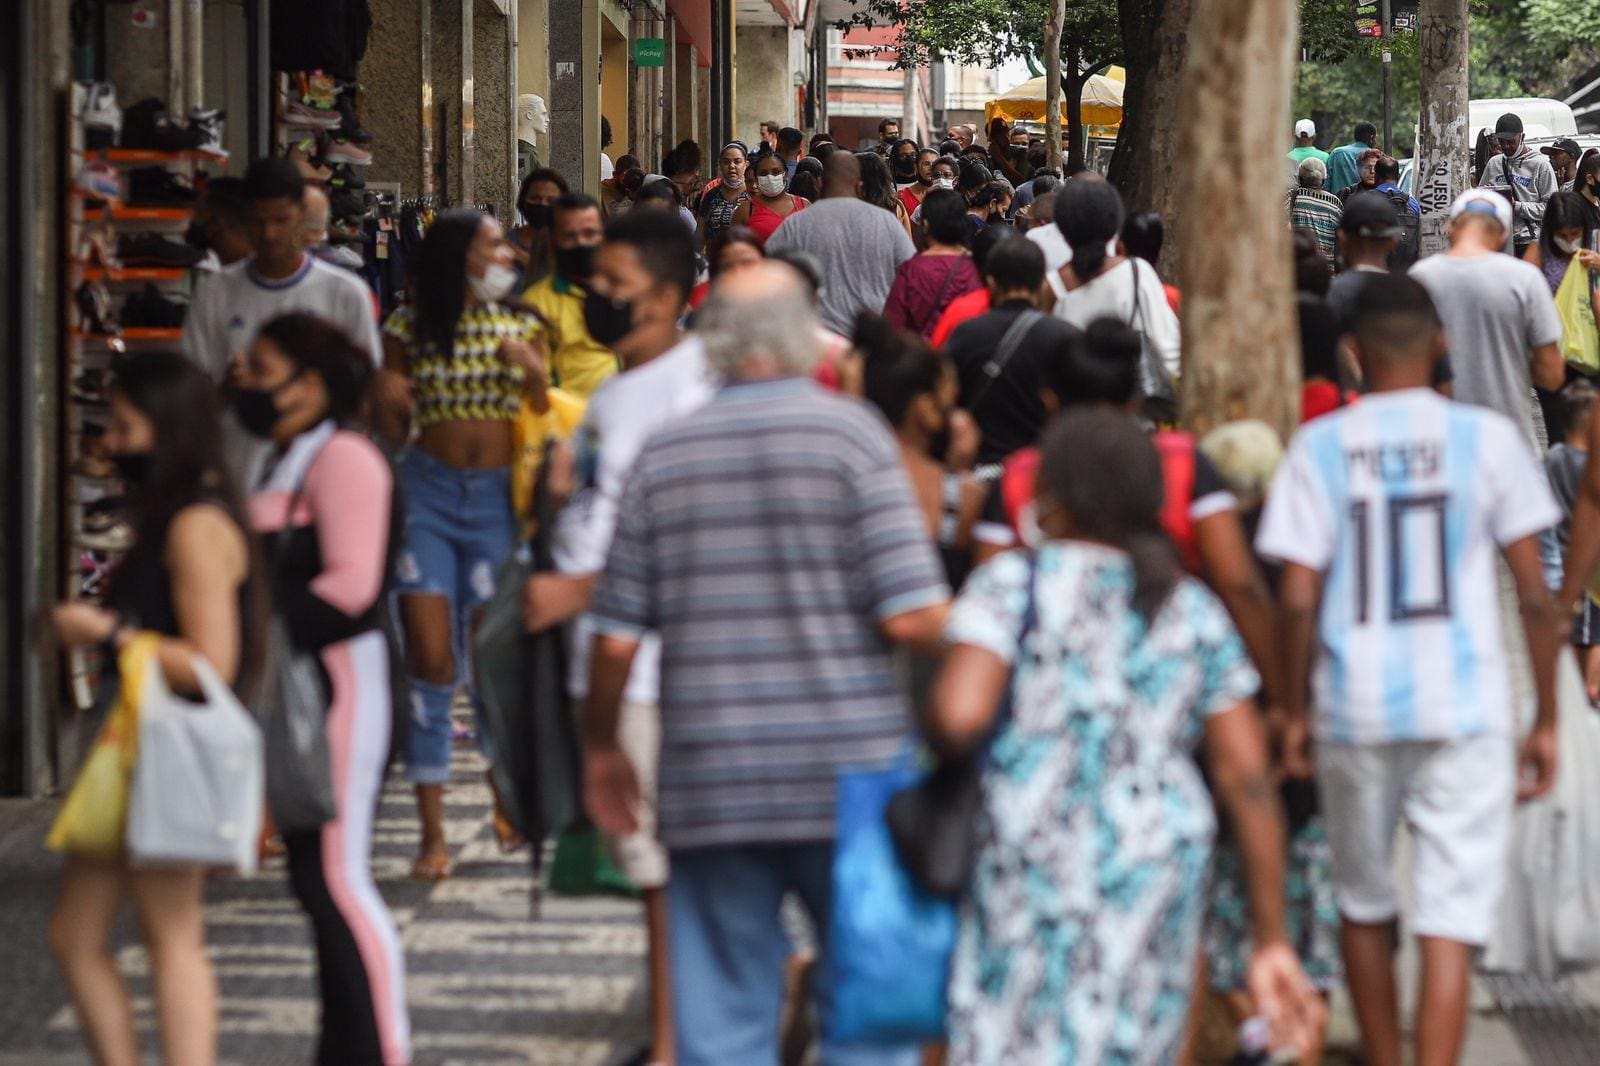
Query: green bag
pixel 582 867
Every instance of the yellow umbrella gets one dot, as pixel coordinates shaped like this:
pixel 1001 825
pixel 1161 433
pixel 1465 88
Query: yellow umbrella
pixel 1102 101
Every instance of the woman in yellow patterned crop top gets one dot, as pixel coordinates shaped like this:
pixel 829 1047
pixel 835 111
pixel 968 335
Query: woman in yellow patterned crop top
pixel 457 364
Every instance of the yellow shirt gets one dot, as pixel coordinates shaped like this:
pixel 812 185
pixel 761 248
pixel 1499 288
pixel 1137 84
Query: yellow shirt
pixel 577 362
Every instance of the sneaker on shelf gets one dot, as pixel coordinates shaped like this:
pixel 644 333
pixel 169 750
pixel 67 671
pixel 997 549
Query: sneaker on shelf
pixel 345 229
pixel 97 248
pixel 347 257
pixel 89 386
pixel 299 115
pixel 301 155
pixel 349 126
pixel 159 187
pixel 147 126
pixel 208 122
pixel 100 180
pixel 152 309
pixel 346 203
pixel 346 176
pixel 149 250
pixel 345 152
pixel 318 89
pixel 94 304
pixel 105 526
pixel 101 117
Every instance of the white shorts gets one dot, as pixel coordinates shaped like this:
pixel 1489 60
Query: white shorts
pixel 1456 797
pixel 640 855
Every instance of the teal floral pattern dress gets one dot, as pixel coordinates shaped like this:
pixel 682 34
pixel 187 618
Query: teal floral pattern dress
pixel 1078 938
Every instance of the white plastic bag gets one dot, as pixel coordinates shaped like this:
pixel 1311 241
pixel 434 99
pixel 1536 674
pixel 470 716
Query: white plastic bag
pixel 197 788
pixel 1549 921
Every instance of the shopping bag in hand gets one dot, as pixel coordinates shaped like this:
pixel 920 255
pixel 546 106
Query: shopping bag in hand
pixel 93 819
pixel 1580 337
pixel 889 940
pixel 581 867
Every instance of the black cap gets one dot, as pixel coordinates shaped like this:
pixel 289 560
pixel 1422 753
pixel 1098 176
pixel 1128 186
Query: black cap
pixel 1564 144
pixel 1508 127
pixel 1370 214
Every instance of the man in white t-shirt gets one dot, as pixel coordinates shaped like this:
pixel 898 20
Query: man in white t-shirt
pixel 1389 516
pixel 1498 317
pixel 232 305
pixel 644 272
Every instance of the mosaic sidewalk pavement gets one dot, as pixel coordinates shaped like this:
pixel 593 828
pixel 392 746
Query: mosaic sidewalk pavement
pixel 487 984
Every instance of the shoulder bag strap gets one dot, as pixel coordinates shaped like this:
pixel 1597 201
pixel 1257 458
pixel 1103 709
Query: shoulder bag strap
pixel 938 301
pixel 1009 343
pixel 1030 622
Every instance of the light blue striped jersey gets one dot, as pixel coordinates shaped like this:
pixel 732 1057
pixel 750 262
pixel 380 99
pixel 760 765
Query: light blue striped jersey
pixel 1402 502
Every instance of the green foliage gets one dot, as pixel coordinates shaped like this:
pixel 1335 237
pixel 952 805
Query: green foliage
pixel 988 32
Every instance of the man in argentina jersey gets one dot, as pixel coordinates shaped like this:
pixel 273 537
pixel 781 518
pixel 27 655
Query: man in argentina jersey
pixel 1389 516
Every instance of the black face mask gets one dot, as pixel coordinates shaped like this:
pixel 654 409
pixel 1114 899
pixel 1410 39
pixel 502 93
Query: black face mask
pixel 576 264
pixel 133 468
pixel 905 169
pixel 537 216
pixel 608 320
pixel 257 409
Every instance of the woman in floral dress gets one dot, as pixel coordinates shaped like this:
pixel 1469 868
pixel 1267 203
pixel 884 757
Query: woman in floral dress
pixel 1079 936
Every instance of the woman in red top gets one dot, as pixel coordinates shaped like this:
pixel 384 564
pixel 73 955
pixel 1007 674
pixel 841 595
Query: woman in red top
pixel 771 202
pixel 925 284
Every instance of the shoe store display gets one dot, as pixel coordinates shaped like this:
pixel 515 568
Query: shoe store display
pixel 208 122
pixel 301 154
pixel 105 526
pixel 346 176
pixel 345 152
pixel 88 386
pixel 346 203
pixel 343 229
pixel 152 309
pixel 149 250
pixel 147 126
pixel 101 117
pixel 159 187
pixel 349 126
pixel 99 180
pixel 318 89
pixel 347 257
pixel 298 115
pixel 94 304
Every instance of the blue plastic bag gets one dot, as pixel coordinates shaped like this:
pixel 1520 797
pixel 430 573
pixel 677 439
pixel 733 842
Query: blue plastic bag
pixel 889 942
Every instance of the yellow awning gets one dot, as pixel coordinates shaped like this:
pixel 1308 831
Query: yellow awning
pixel 1102 101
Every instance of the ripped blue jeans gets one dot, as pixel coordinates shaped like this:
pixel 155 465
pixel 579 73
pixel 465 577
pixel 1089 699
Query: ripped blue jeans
pixel 459 529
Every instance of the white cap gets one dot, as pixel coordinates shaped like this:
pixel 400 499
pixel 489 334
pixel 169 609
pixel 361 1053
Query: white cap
pixel 1305 128
pixel 1483 201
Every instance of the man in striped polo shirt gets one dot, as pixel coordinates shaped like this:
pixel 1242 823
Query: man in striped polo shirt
pixel 1314 208
pixel 772 540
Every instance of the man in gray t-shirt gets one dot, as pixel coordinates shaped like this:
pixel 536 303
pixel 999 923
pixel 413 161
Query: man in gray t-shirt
pixel 857 245
pixel 1498 317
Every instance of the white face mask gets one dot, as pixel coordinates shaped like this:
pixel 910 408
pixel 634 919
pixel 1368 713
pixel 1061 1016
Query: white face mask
pixel 497 280
pixel 944 183
pixel 771 184
pixel 1567 247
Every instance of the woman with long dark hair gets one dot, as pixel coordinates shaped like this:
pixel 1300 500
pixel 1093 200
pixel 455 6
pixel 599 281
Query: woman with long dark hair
pixel 877 187
pixel 459 360
pixel 1096 831
pixel 189 579
pixel 324 509
pixel 1564 234
pixel 1099 282
pixel 530 242
pixel 719 202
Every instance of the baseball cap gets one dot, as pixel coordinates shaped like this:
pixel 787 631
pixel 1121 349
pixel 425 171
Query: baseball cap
pixel 1370 214
pixel 1484 202
pixel 1564 144
pixel 1305 128
pixel 1508 127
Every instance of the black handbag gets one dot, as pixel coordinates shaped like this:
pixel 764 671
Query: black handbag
pixel 934 823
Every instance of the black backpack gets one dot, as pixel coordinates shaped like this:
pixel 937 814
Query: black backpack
pixel 1409 247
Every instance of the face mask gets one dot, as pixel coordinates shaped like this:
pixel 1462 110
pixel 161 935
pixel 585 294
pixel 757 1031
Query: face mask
pixel 735 182
pixel 905 168
pixel 257 410
pixel 771 184
pixel 133 468
pixel 497 280
pixel 537 215
pixel 608 320
pixel 1567 247
pixel 944 183
pixel 575 264
pixel 924 180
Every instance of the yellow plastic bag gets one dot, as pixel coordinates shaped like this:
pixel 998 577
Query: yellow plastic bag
pixel 1580 338
pixel 93 819
pixel 531 432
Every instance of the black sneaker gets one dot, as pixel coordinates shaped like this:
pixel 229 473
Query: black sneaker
pixel 159 187
pixel 146 126
pixel 94 304
pixel 151 309
pixel 346 203
pixel 89 386
pixel 148 250
pixel 346 176
pixel 349 126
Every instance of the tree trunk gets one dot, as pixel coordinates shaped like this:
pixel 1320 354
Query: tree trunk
pixel 1444 141
pixel 1071 79
pixel 1052 82
pixel 1241 341
pixel 1144 167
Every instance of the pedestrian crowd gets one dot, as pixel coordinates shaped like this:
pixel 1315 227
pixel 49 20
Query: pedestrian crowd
pixel 844 463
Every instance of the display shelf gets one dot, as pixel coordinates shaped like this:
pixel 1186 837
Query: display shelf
pixel 135 274
pixel 145 155
pixel 126 213
pixel 129 333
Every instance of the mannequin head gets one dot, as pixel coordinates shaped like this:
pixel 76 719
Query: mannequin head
pixel 533 117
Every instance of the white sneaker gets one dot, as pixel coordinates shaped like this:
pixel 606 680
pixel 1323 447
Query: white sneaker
pixel 298 115
pixel 102 118
pixel 209 122
pixel 345 152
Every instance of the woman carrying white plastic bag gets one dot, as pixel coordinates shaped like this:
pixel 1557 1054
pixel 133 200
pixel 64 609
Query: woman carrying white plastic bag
pixel 187 586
